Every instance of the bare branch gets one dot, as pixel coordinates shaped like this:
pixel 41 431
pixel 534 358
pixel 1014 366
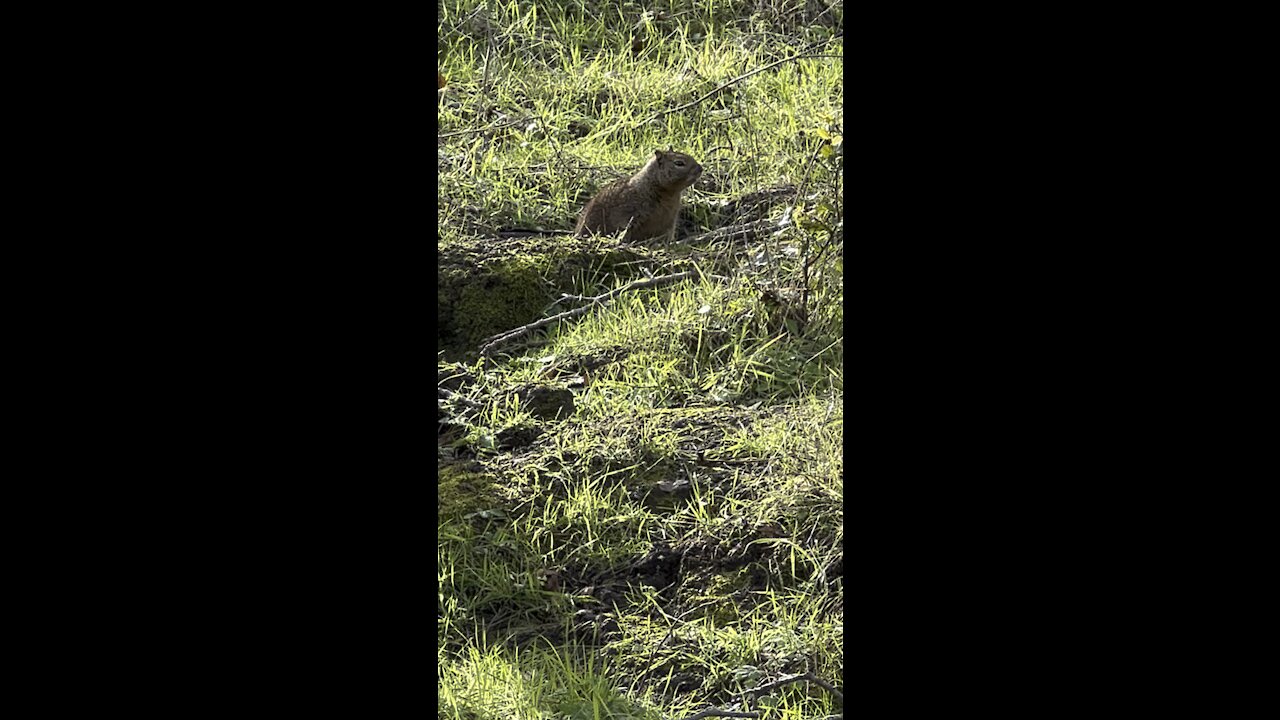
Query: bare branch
pixel 825 686
pixel 808 676
pixel 777 684
pixel 448 394
pixel 741 231
pixel 483 129
pixel 734 81
pixel 506 337
pixel 717 712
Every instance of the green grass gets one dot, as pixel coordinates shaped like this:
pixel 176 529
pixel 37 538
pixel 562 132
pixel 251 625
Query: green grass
pixel 676 539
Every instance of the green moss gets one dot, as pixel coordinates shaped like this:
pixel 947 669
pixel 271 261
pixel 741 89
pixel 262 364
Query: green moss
pixel 475 305
pixel 461 492
pixel 488 286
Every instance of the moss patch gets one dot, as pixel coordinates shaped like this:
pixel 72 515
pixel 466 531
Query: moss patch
pixel 462 491
pixel 488 285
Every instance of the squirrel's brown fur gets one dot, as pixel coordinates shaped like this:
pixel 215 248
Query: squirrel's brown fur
pixel 645 204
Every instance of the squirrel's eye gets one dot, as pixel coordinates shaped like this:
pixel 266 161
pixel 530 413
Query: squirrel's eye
pixel 679 163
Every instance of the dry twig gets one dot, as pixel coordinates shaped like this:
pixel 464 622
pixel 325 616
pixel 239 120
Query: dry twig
pixel 734 81
pixel 717 712
pixel 483 129
pixel 506 337
pixel 448 394
pixel 741 231
pixel 808 676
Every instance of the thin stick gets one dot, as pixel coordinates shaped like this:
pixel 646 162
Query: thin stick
pixel 448 394
pixel 735 232
pixel 483 129
pixel 808 676
pixel 734 81
pixel 825 686
pixel 503 338
pixel 717 712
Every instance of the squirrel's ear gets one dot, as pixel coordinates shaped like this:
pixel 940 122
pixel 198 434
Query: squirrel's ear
pixel 657 153
pixel 670 148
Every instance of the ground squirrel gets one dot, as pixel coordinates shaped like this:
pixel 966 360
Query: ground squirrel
pixel 645 204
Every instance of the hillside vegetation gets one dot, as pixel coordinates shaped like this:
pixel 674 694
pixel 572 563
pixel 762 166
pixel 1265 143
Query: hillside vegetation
pixel 641 502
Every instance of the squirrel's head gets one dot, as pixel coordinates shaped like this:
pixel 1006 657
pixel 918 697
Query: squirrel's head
pixel 675 168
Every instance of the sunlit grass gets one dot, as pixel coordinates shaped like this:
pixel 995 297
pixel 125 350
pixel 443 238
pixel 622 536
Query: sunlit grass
pixel 706 420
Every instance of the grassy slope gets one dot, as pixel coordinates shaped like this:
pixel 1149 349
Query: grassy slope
pixel 677 538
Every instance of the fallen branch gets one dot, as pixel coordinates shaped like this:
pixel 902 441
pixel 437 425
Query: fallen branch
pixel 503 338
pixel 741 231
pixel 734 81
pixel 448 394
pixel 808 676
pixel 717 712
pixel 483 129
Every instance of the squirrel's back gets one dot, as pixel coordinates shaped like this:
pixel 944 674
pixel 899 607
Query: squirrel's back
pixel 645 204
